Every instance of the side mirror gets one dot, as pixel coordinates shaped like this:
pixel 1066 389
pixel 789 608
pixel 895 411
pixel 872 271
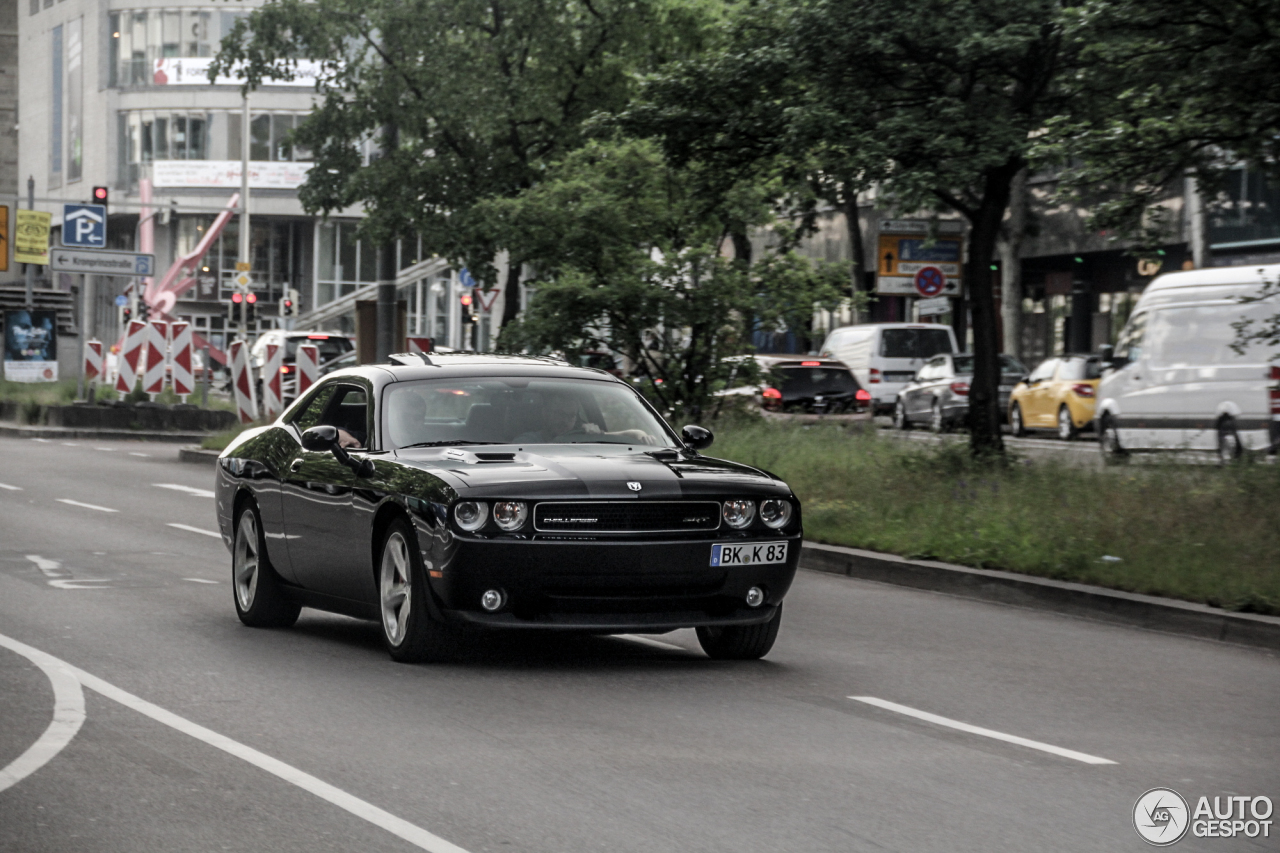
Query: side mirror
pixel 1106 352
pixel 699 438
pixel 320 438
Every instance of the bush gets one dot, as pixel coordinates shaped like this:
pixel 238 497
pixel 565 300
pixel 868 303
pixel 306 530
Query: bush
pixel 1197 533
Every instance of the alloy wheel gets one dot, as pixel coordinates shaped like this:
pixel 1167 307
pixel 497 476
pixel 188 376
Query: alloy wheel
pixel 247 559
pixel 395 588
pixel 1229 448
pixel 1066 429
pixel 935 419
pixel 899 415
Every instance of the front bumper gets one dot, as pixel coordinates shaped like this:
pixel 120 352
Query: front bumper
pixel 607 585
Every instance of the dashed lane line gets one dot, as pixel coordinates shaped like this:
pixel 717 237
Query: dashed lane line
pixel 68 715
pixel 363 809
pixel 86 506
pixel 199 580
pixel 136 453
pixel 978 730
pixel 190 529
pixel 190 490
pixel 10 488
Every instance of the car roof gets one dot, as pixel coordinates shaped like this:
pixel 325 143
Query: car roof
pixel 1251 274
pixel 408 367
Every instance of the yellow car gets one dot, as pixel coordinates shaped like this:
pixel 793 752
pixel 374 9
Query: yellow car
pixel 1060 394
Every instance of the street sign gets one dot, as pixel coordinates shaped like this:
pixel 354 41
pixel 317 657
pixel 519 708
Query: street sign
pixel 84 226
pixel 102 262
pixel 243 266
pixel 929 281
pixel 933 306
pixel 243 279
pixel 31 243
pixel 121 300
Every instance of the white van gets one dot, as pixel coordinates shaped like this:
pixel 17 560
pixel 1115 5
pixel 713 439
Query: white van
pixel 1174 381
pixel 886 356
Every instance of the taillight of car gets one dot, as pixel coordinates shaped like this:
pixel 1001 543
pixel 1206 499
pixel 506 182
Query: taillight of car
pixel 875 375
pixel 286 369
pixel 772 398
pixel 1275 392
pixel 810 364
pixel 863 396
pixel 1082 390
pixel 961 388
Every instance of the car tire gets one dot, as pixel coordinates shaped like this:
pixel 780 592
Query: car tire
pixel 937 422
pixel 1113 452
pixel 256 589
pixel 740 642
pixel 1016 426
pixel 1066 427
pixel 1230 448
pixel 409 632
pixel 900 419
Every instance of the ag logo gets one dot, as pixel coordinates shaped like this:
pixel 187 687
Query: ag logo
pixel 1161 817
pixel 633 486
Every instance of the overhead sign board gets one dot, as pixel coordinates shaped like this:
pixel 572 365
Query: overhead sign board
pixel 921 226
pixel 194 71
pixel 31 242
pixel 102 262
pixel 263 175
pixel 905 248
pixel 84 226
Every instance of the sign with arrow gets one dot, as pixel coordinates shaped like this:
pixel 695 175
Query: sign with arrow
pixel 84 226
pixel 102 262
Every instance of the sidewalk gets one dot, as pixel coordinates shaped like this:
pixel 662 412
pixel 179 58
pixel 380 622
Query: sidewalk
pixel 13 430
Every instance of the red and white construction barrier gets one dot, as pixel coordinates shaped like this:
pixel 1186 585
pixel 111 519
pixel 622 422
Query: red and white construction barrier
pixel 308 365
pixel 242 383
pixel 157 355
pixel 421 344
pixel 272 395
pixel 93 364
pixel 130 362
pixel 180 353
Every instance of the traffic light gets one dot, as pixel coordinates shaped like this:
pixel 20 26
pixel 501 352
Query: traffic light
pixel 251 307
pixel 289 303
pixel 127 314
pixel 144 310
pixel 101 195
pixel 233 310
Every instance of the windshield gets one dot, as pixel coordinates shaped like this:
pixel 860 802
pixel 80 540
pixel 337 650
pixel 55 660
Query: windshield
pixel 914 343
pixel 1008 364
pixel 330 347
pixel 807 381
pixel 519 410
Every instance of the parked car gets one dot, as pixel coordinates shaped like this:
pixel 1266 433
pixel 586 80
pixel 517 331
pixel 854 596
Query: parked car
pixel 501 493
pixel 886 356
pixel 798 384
pixel 331 347
pixel 939 394
pixel 1174 380
pixel 1059 394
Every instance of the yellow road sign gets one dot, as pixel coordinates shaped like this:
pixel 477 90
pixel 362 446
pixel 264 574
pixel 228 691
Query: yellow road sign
pixel 243 279
pixel 243 266
pixel 31 242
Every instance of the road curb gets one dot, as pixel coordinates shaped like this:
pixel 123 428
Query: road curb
pixel 1126 608
pixel 16 431
pixel 198 455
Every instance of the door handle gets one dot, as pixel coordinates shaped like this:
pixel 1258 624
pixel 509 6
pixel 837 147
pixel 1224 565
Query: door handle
pixel 294 466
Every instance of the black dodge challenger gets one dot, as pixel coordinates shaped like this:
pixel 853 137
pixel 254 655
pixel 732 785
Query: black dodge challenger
pixel 442 493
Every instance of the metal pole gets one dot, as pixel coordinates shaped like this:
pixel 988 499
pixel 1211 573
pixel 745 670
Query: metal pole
pixel 31 268
pixel 204 386
pixel 387 274
pixel 243 218
pixel 86 332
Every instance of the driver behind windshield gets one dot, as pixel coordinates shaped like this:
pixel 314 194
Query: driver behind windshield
pixel 559 423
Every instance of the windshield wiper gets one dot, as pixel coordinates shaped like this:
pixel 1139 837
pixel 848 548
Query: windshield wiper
pixel 453 442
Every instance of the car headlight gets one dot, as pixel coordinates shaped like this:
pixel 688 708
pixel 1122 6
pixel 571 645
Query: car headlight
pixel 775 512
pixel 510 515
pixel 739 514
pixel 471 515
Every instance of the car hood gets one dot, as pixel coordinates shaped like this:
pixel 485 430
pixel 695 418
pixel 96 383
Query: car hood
pixel 588 471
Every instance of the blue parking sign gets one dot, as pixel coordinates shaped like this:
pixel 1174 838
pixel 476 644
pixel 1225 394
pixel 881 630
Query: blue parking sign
pixel 84 225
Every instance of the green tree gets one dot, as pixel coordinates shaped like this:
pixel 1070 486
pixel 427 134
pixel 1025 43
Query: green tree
pixel 467 100
pixel 626 252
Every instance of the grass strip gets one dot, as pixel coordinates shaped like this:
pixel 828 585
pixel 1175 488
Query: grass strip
pixel 1194 532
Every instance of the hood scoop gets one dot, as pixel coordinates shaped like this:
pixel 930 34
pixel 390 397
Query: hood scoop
pixel 495 457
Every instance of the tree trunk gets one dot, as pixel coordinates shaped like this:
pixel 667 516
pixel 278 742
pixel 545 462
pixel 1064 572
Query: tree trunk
pixel 857 248
pixel 984 391
pixel 741 245
pixel 1011 266
pixel 511 300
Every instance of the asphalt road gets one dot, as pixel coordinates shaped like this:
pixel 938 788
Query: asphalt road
pixel 582 744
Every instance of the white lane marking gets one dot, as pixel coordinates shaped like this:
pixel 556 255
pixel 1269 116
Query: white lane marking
pixel 68 715
pixel 658 644
pixel 79 583
pixel 415 835
pixel 136 453
pixel 107 449
pixel 191 529
pixel 86 506
pixel 10 488
pixel 194 492
pixel 198 580
pixel 978 730
pixel 69 444
pixel 41 440
pixel 51 568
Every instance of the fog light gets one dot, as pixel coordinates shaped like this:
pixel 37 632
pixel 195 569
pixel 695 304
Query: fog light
pixel 755 596
pixel 492 600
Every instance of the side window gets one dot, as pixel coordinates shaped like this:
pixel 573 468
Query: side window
pixel 349 412
pixel 1129 345
pixel 310 413
pixel 1044 371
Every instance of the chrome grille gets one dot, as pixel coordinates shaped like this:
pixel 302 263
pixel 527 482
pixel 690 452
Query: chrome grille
pixel 626 516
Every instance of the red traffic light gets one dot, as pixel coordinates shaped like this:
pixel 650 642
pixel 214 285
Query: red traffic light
pixel 466 299
pixel 252 298
pixel 288 303
pixel 101 194
pixel 237 298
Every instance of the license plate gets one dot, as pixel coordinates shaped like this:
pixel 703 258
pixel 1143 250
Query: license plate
pixel 749 555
